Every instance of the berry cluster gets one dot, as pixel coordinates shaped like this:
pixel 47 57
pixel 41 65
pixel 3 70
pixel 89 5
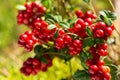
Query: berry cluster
pixel 65 40
pixel 101 30
pixel 27 40
pixel 41 31
pixel 83 21
pixel 34 65
pixel 33 10
pixel 97 69
pixel 75 47
pixel 62 40
pixel 72 40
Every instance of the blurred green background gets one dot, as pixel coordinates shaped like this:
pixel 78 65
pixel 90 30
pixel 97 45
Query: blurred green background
pixel 12 56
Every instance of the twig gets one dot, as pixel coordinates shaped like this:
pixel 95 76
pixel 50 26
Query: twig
pixel 112 5
pixel 64 6
pixel 92 7
pixel 70 67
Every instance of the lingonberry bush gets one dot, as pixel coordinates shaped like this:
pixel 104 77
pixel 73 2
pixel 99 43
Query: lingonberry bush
pixel 84 37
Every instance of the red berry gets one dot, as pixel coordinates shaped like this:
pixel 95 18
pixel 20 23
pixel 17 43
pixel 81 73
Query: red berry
pixel 59 41
pixel 100 25
pixel 77 43
pixel 79 14
pixel 28 69
pixel 107 76
pixel 29 60
pixel 67 39
pixel 100 63
pixel 35 62
pixel 92 50
pixel 102 52
pixel 89 14
pixel 108 31
pixel 94 68
pixel 99 33
pixel 89 62
pixel 112 27
pixel 102 46
pixel 88 20
pixel 80 21
pixel 61 32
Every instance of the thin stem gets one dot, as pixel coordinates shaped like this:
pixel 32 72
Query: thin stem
pixel 70 67
pixel 92 7
pixel 53 53
pixel 110 1
pixel 112 5
pixel 64 6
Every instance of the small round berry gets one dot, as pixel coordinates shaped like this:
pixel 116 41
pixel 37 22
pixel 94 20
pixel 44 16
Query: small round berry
pixel 92 50
pixel 102 46
pixel 77 43
pixel 108 31
pixel 99 33
pixel 36 62
pixel 89 62
pixel 94 68
pixel 80 21
pixel 59 41
pixel 102 52
pixel 107 76
pixel 100 63
pixel 79 14
pixel 88 20
pixel 67 39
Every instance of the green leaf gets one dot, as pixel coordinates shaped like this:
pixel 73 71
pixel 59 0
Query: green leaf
pixel 58 18
pixel 113 71
pixel 89 31
pixel 56 34
pixel 20 7
pixel 83 57
pixel 47 3
pixel 38 49
pixel 51 26
pixel 72 22
pixel 86 1
pixel 88 42
pixel 107 17
pixel 64 54
pixel 50 16
pixel 43 59
pixel 64 25
pixel 50 21
pixel 98 41
pixel 81 75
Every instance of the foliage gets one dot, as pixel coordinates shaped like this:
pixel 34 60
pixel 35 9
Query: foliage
pixel 8 28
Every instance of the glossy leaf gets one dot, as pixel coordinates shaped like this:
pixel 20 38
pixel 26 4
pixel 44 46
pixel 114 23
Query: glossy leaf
pixel 20 7
pixel 98 41
pixel 113 71
pixel 72 22
pixel 88 42
pixel 83 57
pixel 38 50
pixel 58 18
pixel 64 25
pixel 43 59
pixel 89 31
pixel 81 75
pixel 56 34
pixel 51 26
